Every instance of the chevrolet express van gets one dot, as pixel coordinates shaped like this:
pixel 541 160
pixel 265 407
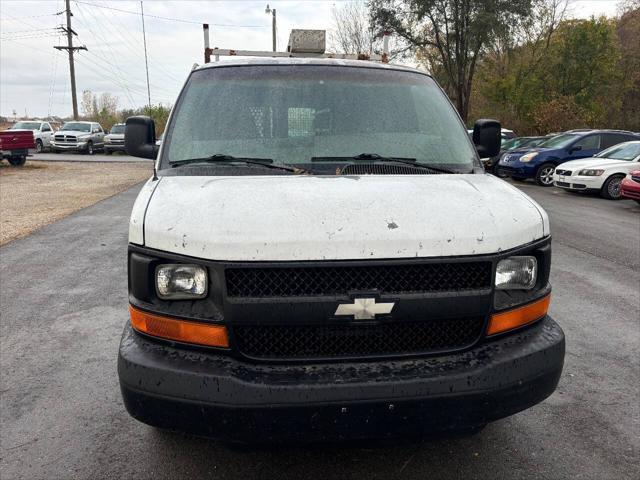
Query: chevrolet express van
pixel 320 255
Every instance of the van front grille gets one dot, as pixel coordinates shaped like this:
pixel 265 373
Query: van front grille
pixel 282 342
pixel 340 280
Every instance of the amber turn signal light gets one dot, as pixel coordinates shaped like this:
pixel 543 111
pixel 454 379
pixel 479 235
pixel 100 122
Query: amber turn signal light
pixel 518 317
pixel 179 330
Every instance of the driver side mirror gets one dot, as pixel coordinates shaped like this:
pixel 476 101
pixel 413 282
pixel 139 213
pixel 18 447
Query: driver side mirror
pixel 140 137
pixel 575 148
pixel 487 137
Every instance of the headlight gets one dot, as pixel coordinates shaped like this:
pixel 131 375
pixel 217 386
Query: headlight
pixel 107 140
pixel 589 172
pixel 179 281
pixel 517 273
pixel 528 157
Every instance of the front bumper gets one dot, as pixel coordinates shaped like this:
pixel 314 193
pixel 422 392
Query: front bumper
pixel 114 147
pixel 69 147
pixel 630 189
pixel 578 183
pixel 221 397
pixel 517 169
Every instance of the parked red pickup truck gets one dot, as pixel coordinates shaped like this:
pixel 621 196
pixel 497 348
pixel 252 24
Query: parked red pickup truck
pixel 15 145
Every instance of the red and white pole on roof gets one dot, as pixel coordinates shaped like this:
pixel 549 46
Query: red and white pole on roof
pixel 207 47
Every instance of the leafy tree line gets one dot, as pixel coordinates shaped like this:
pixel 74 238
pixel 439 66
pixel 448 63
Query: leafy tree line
pixel 585 75
pixel 103 109
pixel 523 61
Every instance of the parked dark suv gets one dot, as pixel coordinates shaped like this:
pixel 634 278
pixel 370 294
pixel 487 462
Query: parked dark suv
pixel 540 162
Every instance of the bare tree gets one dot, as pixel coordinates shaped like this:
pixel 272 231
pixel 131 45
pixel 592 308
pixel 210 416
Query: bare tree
pixel 352 32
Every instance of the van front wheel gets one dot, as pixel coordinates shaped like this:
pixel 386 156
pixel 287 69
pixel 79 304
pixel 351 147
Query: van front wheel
pixel 544 175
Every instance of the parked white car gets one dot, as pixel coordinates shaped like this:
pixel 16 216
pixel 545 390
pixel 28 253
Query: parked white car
pixel 42 132
pixel 602 173
pixel 114 140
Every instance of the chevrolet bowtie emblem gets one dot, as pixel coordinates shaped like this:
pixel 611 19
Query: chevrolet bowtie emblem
pixel 364 308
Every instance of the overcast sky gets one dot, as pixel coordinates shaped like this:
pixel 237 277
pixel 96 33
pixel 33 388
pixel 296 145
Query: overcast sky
pixel 34 77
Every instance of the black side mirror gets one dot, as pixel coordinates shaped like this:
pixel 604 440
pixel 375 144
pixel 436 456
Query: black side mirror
pixel 487 137
pixel 575 148
pixel 140 137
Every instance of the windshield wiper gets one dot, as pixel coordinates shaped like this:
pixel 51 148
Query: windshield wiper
pixel 222 158
pixel 375 156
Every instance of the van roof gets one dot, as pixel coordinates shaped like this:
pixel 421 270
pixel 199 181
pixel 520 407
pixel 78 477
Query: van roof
pixel 243 61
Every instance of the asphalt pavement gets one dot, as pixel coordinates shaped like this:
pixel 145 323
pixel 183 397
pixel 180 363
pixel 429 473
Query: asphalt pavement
pixel 63 300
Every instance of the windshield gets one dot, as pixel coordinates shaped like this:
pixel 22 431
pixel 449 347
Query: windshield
pixel 293 114
pixel 511 144
pixel 117 129
pixel 559 141
pixel 534 142
pixel 26 126
pixel 515 143
pixel 622 151
pixel 77 126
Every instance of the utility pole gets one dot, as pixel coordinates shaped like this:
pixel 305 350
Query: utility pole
pixel 272 11
pixel 71 49
pixel 146 62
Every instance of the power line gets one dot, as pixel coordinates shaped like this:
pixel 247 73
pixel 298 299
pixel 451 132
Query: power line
pixel 181 20
pixel 25 37
pixel 28 31
pixel 38 16
pixel 103 42
pixel 138 90
pixel 114 24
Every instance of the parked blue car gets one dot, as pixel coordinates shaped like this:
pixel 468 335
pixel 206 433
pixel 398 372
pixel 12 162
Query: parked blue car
pixel 540 162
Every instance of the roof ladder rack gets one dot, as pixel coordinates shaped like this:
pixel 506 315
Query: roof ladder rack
pixel 302 44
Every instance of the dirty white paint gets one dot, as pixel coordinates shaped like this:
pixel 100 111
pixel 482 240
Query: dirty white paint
pixel 247 218
pixel 136 222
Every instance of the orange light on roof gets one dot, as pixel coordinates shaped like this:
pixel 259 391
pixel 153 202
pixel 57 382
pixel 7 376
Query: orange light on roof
pixel 518 317
pixel 179 330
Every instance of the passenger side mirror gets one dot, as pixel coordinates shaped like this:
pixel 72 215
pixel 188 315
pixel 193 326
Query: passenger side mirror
pixel 486 137
pixel 140 137
pixel 575 148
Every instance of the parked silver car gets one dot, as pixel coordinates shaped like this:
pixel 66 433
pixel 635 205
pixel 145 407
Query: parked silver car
pixel 86 137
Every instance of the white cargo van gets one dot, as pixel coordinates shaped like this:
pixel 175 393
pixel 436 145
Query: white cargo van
pixel 321 255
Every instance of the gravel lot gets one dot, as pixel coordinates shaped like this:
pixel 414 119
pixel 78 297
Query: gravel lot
pixel 64 303
pixel 117 157
pixel 42 192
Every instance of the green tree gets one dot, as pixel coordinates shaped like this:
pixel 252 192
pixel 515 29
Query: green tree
pixel 584 58
pixel 628 32
pixel 511 80
pixel 452 34
pixel 159 114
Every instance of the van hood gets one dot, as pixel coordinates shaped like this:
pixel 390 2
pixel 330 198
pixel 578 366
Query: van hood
pixel 274 218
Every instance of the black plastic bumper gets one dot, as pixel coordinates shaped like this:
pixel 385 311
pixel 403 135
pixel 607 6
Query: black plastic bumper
pixel 218 396
pixel 113 148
